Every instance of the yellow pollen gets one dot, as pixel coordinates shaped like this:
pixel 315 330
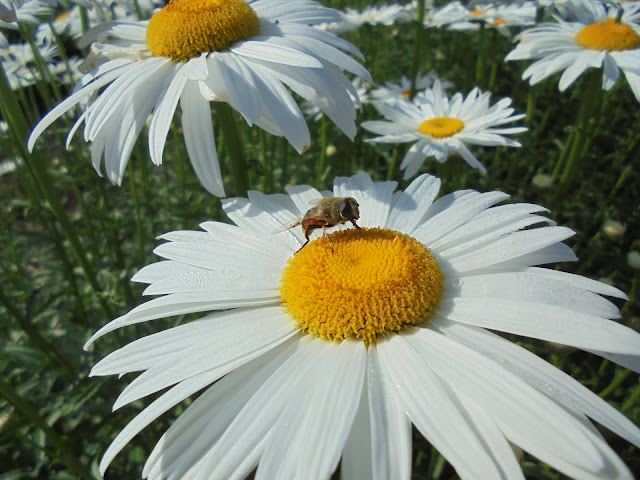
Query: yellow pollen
pixel 440 127
pixel 186 28
pixel 608 35
pixel 374 281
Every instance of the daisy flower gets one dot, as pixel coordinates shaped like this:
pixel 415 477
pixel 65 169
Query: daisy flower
pixel 13 11
pixel 392 90
pixel 353 19
pixel 334 351
pixel 595 39
pixel 241 52
pixel 440 126
pixel 499 16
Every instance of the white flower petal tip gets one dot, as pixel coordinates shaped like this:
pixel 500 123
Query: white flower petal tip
pixel 575 43
pixel 134 80
pixel 269 389
pixel 441 126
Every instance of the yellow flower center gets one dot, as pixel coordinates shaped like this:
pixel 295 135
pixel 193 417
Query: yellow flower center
pixel 186 28
pixel 372 282
pixel 477 12
pixel 499 21
pixel 608 35
pixel 406 93
pixel 440 127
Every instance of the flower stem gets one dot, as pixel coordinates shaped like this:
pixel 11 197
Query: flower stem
pixel 590 104
pixel 323 152
pixel 415 64
pixel 239 168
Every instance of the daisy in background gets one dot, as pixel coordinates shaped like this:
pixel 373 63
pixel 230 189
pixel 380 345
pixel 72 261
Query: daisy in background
pixel 594 38
pixel 390 91
pixel 334 351
pixel 352 19
pixel 242 53
pixel 501 16
pixel 440 126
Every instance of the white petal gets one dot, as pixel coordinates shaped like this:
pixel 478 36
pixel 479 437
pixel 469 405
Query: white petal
pixel 229 348
pixel 533 288
pixel 273 52
pixel 198 428
pixel 510 246
pixel 322 419
pixel 434 410
pixel 413 203
pixel 546 322
pixel 163 114
pixel 152 412
pixel 357 458
pixel 542 375
pixel 197 129
pixel 182 303
pixel 461 211
pixel 527 417
pixel 390 425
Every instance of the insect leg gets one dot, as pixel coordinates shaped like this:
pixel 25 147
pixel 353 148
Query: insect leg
pixel 324 234
pixel 355 224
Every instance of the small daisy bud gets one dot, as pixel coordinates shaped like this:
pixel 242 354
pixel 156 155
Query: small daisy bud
pixel 613 229
pixel 330 151
pixel 633 259
pixel 542 181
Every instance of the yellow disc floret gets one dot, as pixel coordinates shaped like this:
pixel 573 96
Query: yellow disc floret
pixel 608 35
pixel 186 28
pixel 361 283
pixel 440 127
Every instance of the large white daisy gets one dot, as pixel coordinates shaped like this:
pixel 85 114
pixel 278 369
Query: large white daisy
pixel 594 38
pixel 440 126
pixel 241 52
pixel 334 351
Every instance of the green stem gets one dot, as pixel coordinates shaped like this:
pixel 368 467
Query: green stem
pixel 480 61
pixel 395 159
pixel 624 175
pixel 323 152
pixel 44 72
pixel 591 102
pixel 415 64
pixel 267 162
pixel 22 405
pixel 619 377
pixel 233 140
pixel 531 106
pixel 284 155
pixel 13 115
pixel 563 155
